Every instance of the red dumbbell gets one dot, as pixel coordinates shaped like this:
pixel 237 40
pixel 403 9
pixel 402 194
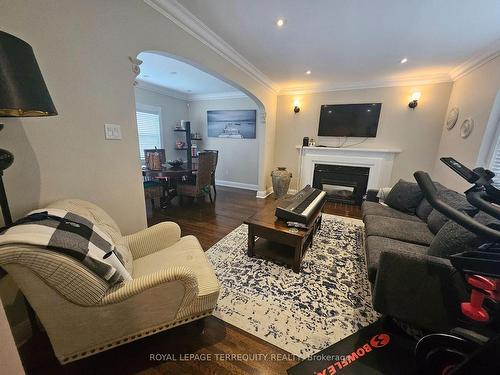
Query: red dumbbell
pixel 481 288
pixel 495 294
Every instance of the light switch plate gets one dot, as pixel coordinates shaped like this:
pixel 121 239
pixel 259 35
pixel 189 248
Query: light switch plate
pixel 112 131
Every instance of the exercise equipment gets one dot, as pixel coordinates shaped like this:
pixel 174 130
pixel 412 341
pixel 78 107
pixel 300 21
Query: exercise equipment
pixel 471 347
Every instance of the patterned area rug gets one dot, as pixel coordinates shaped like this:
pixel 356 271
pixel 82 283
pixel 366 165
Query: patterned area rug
pixel 300 313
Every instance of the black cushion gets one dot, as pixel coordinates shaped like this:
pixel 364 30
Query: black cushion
pixel 404 196
pixel 436 220
pixel 375 245
pixel 404 230
pixel 424 208
pixel 452 238
pixel 372 208
pixel 488 220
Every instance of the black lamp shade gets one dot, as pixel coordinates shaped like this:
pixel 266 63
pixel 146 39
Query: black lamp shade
pixel 23 92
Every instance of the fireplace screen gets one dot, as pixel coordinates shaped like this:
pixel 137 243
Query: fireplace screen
pixel 341 183
pixel 345 192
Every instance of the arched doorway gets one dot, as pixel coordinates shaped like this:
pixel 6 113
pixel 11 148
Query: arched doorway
pixel 170 89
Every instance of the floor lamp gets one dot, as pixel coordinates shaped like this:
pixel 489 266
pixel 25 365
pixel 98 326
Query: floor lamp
pixel 23 93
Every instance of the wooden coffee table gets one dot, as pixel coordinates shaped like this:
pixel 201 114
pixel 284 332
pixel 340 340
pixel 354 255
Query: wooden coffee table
pixel 276 240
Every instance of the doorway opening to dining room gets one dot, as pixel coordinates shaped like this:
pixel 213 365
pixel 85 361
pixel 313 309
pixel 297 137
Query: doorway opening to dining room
pixel 196 133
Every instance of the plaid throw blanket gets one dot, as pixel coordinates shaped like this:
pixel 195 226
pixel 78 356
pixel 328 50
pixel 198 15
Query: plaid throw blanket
pixel 72 235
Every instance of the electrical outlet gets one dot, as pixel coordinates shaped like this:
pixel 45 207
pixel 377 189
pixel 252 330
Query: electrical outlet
pixel 112 131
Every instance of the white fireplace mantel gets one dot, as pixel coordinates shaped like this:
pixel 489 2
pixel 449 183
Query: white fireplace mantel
pixel 379 160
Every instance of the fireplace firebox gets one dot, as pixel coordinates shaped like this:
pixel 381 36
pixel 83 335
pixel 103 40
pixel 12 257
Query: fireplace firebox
pixel 342 183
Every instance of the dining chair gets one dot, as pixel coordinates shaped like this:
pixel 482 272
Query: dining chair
pixel 200 186
pixel 153 189
pixel 212 180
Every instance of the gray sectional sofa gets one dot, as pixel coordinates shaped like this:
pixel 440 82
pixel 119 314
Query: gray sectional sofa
pixel 407 247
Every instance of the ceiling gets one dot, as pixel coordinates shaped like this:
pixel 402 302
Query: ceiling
pixel 180 77
pixel 344 42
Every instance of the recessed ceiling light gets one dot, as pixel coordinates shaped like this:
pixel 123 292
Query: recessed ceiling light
pixel 280 22
pixel 404 61
pixel 308 72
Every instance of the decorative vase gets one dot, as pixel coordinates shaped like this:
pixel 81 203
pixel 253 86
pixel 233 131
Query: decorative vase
pixel 281 181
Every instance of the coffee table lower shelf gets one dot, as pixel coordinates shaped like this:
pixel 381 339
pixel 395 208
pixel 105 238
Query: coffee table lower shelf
pixel 275 241
pixel 277 252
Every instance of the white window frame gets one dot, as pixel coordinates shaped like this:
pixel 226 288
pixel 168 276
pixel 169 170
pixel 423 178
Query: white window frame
pixel 494 150
pixel 140 107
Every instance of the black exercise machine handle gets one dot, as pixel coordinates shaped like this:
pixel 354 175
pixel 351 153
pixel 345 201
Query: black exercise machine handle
pixel 479 198
pixel 430 193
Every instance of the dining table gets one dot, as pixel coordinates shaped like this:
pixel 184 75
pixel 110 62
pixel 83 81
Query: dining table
pixel 169 176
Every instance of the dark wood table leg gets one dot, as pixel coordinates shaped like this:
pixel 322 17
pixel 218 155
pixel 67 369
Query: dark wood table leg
pixel 251 241
pixel 297 257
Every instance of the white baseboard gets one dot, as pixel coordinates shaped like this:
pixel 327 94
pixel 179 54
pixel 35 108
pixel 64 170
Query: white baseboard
pixel 239 185
pixel 264 193
pixel 269 191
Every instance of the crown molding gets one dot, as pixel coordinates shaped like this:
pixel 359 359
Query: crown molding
pixel 183 18
pixel 415 81
pixel 480 58
pixel 218 96
pixel 191 97
pixel 161 90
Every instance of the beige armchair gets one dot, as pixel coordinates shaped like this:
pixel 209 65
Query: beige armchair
pixel 173 283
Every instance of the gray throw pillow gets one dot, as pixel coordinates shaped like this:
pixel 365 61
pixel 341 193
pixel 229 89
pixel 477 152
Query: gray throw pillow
pixel 452 239
pixel 488 220
pixel 424 208
pixel 404 196
pixel 436 220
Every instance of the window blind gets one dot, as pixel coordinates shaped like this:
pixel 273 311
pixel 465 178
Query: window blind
pixel 148 128
pixel 495 161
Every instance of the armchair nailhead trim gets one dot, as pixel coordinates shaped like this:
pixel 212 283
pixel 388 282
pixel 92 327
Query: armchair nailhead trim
pixel 132 338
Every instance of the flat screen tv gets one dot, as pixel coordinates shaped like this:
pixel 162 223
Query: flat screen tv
pixel 349 120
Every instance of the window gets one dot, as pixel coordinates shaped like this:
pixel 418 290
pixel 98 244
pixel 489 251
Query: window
pixel 495 159
pixel 148 128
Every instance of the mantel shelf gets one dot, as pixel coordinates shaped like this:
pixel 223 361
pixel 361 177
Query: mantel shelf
pixel 352 149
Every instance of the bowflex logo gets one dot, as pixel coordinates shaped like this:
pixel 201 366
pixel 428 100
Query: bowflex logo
pixel 376 342
pixel 380 340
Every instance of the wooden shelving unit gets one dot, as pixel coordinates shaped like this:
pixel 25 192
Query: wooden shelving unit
pixel 189 143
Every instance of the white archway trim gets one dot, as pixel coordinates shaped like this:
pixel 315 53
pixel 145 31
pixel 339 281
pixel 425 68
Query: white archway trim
pixel 183 18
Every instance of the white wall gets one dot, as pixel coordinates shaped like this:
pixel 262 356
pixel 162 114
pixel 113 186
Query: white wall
pixel 238 158
pixel 83 50
pixel 172 111
pixel 474 94
pixel 415 132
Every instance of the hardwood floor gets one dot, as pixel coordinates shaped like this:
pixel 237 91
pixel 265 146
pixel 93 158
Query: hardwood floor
pixel 209 339
pixel 210 223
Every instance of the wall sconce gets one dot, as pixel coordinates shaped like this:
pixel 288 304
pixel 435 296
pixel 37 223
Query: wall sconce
pixel 415 97
pixel 296 105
